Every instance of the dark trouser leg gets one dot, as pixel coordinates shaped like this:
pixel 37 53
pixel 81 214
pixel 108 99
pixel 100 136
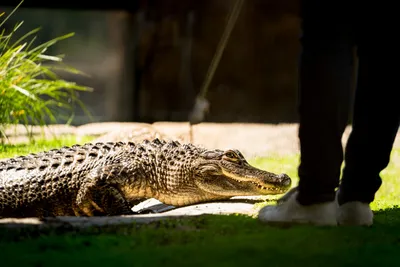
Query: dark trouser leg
pixel 376 117
pixel 326 69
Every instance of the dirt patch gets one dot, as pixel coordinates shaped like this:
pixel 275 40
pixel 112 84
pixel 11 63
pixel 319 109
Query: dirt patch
pixel 251 138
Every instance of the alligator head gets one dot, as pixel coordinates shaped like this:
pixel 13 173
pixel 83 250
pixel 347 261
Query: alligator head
pixel 185 175
pixel 227 174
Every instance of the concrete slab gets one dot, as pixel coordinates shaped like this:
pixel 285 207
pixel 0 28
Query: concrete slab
pixel 236 205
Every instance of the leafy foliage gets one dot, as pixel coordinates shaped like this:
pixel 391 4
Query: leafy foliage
pixel 31 93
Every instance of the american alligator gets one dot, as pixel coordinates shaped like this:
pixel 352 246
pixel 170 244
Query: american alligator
pixel 110 178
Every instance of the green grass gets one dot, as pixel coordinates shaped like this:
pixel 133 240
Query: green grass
pixel 8 151
pixel 387 196
pixel 216 240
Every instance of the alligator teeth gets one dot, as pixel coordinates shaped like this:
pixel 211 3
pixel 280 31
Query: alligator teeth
pixel 263 187
pixel 269 188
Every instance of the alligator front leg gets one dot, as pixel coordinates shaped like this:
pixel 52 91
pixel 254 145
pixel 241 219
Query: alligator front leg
pixel 99 196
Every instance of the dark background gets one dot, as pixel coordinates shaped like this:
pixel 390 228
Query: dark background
pixel 147 60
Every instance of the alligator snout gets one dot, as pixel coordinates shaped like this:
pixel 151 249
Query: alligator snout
pixel 284 179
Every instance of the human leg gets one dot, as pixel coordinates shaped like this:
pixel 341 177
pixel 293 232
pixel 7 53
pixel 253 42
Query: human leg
pixel 375 125
pixel 326 68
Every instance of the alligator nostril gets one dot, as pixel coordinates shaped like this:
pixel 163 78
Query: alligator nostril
pixel 285 179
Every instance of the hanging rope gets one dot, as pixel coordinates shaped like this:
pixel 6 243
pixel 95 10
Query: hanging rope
pixel 201 106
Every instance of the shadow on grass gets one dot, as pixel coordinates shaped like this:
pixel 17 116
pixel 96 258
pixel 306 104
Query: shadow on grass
pixel 207 240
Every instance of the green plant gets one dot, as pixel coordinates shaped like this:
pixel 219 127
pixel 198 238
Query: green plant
pixel 31 93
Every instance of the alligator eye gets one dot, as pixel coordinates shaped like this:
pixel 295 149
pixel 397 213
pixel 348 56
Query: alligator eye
pixel 231 155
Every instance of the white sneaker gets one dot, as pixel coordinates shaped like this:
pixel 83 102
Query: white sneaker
pixel 292 212
pixel 355 213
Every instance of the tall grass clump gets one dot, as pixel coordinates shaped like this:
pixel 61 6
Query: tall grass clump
pixel 31 93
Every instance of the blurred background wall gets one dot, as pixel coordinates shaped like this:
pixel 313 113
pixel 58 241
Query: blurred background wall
pixel 148 63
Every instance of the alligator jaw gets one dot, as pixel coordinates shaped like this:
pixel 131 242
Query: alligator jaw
pixel 262 182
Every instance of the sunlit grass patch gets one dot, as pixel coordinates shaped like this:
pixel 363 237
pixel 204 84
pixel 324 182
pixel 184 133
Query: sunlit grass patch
pixel 386 197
